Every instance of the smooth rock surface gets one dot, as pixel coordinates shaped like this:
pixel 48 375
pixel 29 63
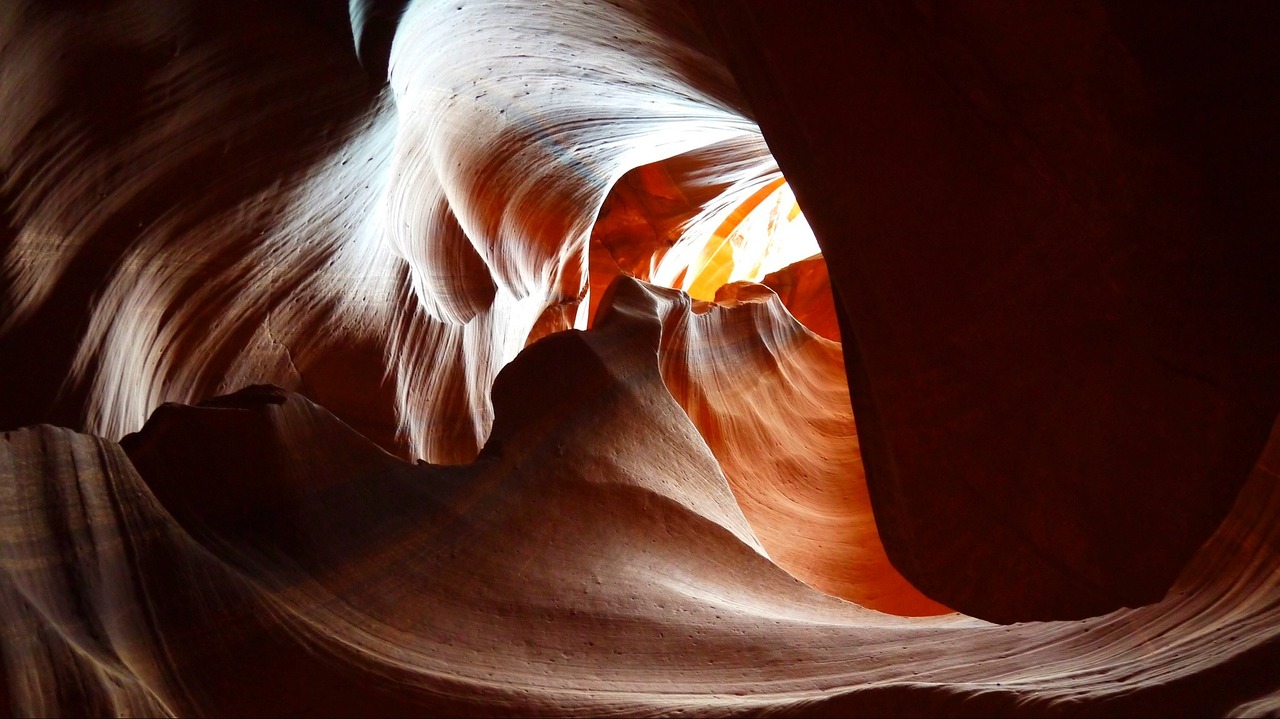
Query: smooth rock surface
pixel 405 358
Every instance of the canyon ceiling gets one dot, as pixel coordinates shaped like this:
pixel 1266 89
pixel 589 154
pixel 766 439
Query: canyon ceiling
pixel 651 357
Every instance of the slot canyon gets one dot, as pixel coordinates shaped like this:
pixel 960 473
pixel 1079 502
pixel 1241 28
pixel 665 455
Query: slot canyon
pixel 639 358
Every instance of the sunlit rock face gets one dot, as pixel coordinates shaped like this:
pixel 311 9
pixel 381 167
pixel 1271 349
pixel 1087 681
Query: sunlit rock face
pixel 476 358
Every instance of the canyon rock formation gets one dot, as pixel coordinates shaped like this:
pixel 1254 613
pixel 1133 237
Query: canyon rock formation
pixel 477 358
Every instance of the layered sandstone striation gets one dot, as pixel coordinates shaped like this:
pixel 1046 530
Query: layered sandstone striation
pixel 474 358
pixel 256 555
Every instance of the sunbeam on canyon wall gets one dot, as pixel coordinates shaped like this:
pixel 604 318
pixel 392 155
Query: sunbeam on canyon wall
pixel 476 358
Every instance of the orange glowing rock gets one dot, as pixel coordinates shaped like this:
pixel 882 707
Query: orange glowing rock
pixel 770 399
pixel 562 571
pixel 474 358
pixel 805 288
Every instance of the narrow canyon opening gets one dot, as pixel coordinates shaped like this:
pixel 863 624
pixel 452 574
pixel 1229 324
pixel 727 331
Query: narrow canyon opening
pixel 395 357
pixel 680 225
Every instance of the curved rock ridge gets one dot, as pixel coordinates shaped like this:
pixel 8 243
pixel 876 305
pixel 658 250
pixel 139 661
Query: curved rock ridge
pixel 805 288
pixel 514 121
pixel 180 216
pixel 362 584
pixel 659 219
pixel 341 370
pixel 771 401
pixel 416 232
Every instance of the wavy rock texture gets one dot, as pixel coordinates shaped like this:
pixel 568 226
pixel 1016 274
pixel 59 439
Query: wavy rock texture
pixel 771 402
pixel 362 584
pixel 361 359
